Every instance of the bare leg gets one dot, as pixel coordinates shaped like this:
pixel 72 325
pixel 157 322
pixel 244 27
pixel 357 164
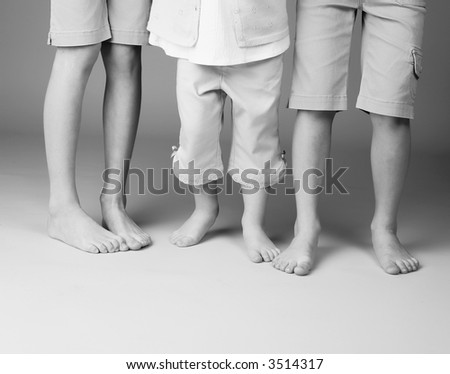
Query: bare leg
pixel 391 146
pixel 121 117
pixel 311 146
pixel 259 247
pixel 200 221
pixel 62 116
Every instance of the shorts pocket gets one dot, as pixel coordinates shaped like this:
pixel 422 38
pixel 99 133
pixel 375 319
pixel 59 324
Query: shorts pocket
pixel 417 68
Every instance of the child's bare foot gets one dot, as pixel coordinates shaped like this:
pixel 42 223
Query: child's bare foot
pixel 393 257
pixel 74 227
pixel 259 247
pixel 298 258
pixel 116 219
pixel 195 228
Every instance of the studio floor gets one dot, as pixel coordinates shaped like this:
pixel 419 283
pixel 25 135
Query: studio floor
pixel 211 298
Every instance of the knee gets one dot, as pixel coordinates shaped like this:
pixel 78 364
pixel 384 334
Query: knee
pixel 77 59
pixel 316 116
pixel 122 59
pixel 392 123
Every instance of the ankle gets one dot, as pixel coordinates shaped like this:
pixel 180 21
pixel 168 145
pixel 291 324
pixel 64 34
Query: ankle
pixel 59 207
pixel 210 209
pixel 312 227
pixel 249 222
pixel 377 228
pixel 112 201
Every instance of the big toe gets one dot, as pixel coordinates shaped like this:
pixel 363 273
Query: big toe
pixel 146 239
pixel 133 244
pixel 255 256
pixel 302 268
pixel 185 241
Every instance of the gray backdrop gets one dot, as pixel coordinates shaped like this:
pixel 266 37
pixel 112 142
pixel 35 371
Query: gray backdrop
pixel 25 63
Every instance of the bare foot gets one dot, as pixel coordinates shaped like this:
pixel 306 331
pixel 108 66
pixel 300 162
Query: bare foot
pixel 195 228
pixel 116 219
pixel 74 227
pixel 298 258
pixel 259 247
pixel 391 254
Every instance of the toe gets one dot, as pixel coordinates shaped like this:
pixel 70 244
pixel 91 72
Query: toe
pixel 302 269
pixel 271 254
pixel 266 255
pixel 109 246
pixel 413 264
pixel 174 237
pixel 408 265
pixel 92 249
pixel 275 253
pixel 102 248
pixel 283 265
pixel 416 262
pixel 402 267
pixel 255 257
pixel 290 267
pixel 133 244
pixel 123 247
pixel 144 240
pixel 185 241
pixel 392 269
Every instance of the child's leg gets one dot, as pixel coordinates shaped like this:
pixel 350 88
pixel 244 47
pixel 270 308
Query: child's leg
pixel 391 146
pixel 121 117
pixel 200 105
pixel 311 146
pixel 62 116
pixel 390 92
pixel 200 221
pixel 259 247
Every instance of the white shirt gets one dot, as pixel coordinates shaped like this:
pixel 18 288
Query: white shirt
pixel 217 44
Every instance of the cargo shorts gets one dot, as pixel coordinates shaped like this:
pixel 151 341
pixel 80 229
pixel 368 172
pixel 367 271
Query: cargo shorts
pixel 391 59
pixel 87 22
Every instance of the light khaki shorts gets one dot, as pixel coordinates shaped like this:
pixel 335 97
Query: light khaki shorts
pixel 391 55
pixel 86 22
pixel 256 160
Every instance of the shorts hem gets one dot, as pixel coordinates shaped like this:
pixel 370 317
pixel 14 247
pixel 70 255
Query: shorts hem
pixel 325 103
pixel 138 38
pixel 77 38
pixel 385 108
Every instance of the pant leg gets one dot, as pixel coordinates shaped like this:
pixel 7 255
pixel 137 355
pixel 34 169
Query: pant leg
pixel 322 53
pixel 391 56
pixel 255 90
pixel 200 105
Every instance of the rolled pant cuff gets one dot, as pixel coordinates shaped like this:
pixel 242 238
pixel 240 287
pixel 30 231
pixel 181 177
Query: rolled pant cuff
pixel 201 178
pixel 259 181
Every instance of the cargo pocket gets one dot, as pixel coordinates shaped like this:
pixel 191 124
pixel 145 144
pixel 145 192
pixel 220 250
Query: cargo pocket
pixel 417 68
